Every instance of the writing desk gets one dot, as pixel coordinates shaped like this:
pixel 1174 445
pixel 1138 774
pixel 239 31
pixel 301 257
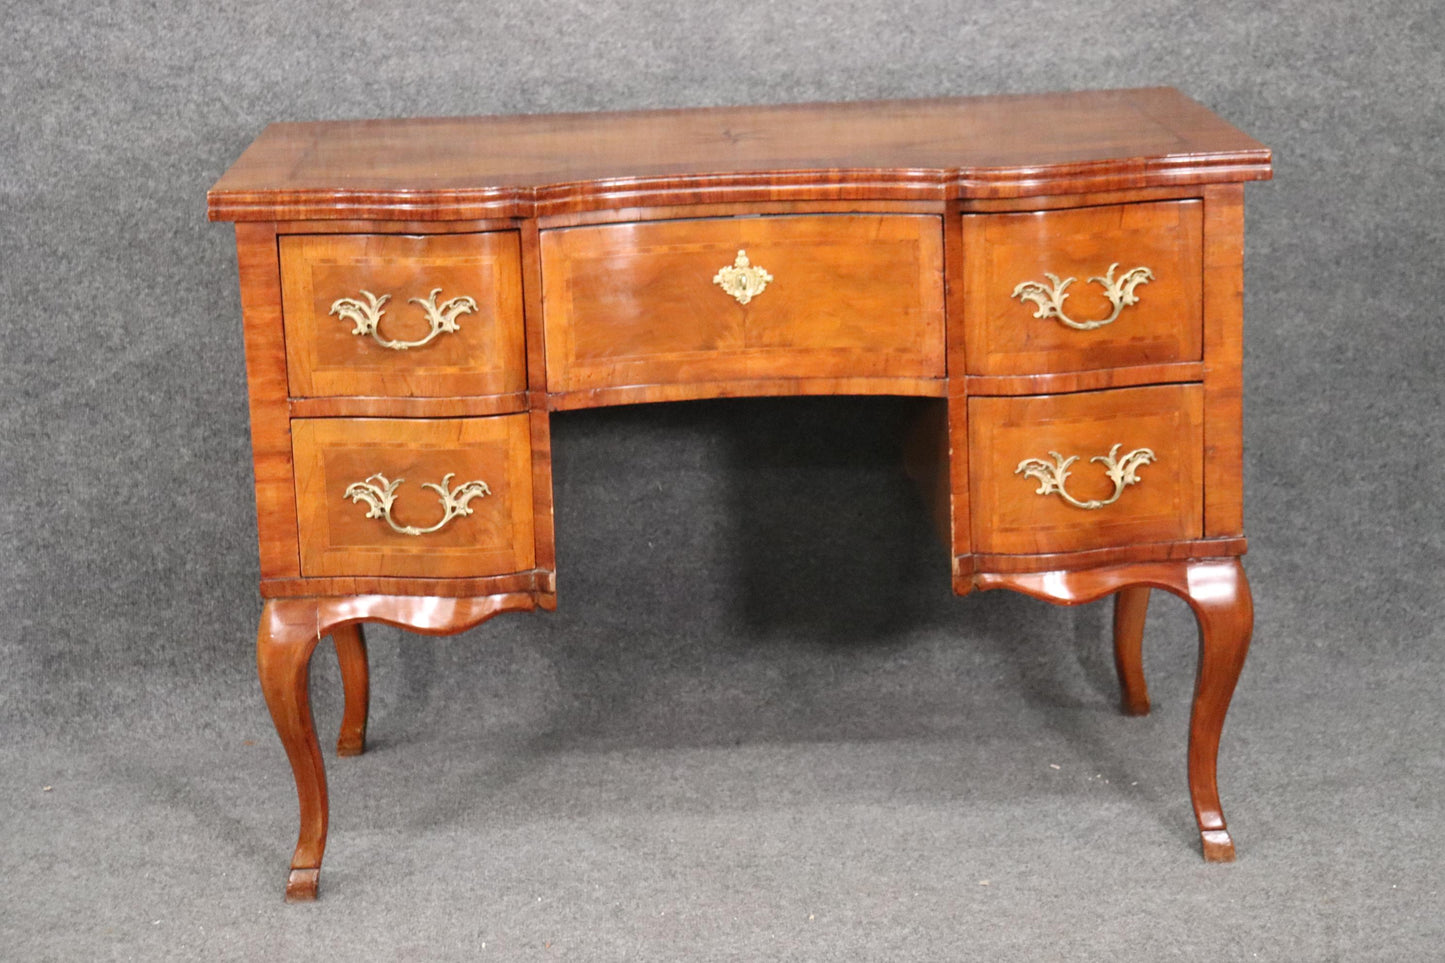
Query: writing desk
pixel 1062 273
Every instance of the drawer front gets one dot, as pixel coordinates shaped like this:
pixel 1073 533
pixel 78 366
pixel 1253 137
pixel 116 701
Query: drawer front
pixel 476 522
pixel 1136 477
pixel 1154 292
pixel 389 315
pixel 666 302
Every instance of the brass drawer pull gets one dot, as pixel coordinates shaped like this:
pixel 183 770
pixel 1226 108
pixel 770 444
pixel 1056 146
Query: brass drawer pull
pixel 743 280
pixel 1051 300
pixel 1052 477
pixel 381 494
pixel 367 316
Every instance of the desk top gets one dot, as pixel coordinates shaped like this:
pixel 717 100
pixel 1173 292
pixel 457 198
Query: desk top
pixel 939 149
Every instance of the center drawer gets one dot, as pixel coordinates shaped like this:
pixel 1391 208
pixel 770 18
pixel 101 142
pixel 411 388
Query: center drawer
pixel 670 302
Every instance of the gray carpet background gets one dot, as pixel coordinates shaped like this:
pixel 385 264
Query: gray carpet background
pixel 759 726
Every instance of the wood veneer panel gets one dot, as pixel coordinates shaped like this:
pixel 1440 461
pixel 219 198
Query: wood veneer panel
pixel 673 212
pixel 341 585
pixel 539 421
pixel 1010 517
pixel 408 407
pixel 532 300
pixel 1001 251
pixel 540 434
pixel 1095 380
pixel 1004 205
pixel 1117 555
pixel 852 295
pixel 372 226
pixel 260 275
pixel 956 451
pixel 339 539
pixel 519 166
pixel 751 388
pixel 1223 361
pixel 485 355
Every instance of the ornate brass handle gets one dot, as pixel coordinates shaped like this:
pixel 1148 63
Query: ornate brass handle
pixel 1051 300
pixel 743 281
pixel 379 493
pixel 1052 477
pixel 367 316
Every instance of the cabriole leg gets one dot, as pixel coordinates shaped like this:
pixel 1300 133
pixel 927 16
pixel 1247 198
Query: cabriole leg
pixel 290 631
pixel 1130 606
pixel 284 643
pixel 355 682
pixel 1219 594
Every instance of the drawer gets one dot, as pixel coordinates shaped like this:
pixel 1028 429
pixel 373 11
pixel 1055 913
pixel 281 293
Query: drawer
pixel 650 303
pixel 382 315
pixel 1115 468
pixel 444 498
pixel 1139 264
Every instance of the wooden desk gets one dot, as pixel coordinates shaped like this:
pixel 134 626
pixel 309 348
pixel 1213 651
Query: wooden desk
pixel 1063 273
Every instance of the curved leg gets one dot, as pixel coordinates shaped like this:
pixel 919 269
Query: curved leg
pixel 355 682
pixel 290 630
pixel 1130 606
pixel 1219 594
pixel 287 637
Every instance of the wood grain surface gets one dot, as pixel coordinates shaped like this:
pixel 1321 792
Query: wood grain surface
pixel 536 582
pixel 1010 517
pixel 1131 606
pixel 484 356
pixel 260 276
pixel 970 570
pixel 351 658
pixel 1000 251
pixel 938 149
pixel 337 537
pixel 1224 361
pixel 636 304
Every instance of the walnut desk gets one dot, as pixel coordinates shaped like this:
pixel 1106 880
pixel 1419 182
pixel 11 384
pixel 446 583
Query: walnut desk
pixel 1062 273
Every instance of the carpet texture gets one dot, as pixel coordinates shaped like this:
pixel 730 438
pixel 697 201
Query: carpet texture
pixel 759 726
